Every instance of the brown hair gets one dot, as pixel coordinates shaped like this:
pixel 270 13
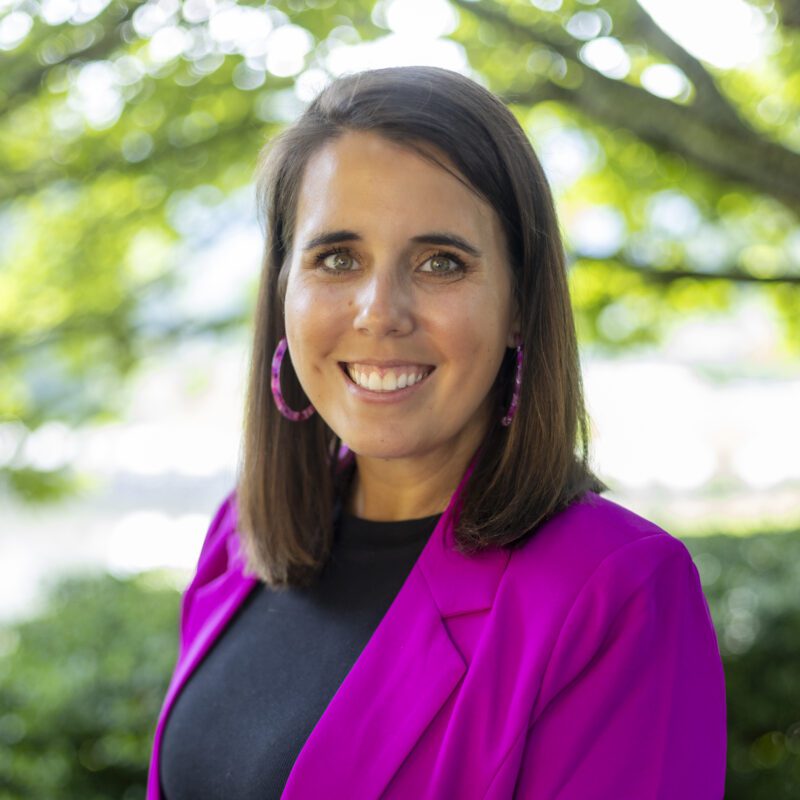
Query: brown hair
pixel 289 480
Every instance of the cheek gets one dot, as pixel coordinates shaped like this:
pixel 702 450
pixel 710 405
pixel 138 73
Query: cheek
pixel 471 332
pixel 297 306
pixel 314 318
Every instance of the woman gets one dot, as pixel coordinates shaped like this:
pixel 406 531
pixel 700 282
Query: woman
pixel 416 589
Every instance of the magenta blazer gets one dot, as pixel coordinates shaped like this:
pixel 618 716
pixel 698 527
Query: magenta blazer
pixel 582 666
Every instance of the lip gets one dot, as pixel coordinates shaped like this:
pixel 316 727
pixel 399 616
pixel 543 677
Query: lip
pixel 395 396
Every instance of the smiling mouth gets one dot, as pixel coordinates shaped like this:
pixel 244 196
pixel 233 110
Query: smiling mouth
pixel 386 379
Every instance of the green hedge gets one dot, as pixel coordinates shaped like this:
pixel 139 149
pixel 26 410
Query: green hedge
pixel 81 684
pixel 80 689
pixel 751 583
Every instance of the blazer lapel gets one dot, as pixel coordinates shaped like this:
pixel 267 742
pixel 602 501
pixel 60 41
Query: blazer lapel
pixel 403 676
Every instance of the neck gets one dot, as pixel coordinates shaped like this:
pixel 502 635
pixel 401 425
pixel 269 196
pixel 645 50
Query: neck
pixel 407 488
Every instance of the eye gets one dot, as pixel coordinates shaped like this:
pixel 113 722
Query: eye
pixel 336 260
pixel 443 264
pixel 339 260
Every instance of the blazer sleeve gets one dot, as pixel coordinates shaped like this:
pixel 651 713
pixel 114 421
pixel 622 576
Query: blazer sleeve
pixel 637 710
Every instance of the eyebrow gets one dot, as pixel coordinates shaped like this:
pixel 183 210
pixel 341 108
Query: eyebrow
pixel 433 237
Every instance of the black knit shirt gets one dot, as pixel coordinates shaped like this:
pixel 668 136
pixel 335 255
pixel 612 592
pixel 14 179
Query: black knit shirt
pixel 244 714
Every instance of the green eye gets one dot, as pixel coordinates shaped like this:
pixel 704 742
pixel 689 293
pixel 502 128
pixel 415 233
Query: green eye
pixel 337 260
pixel 443 264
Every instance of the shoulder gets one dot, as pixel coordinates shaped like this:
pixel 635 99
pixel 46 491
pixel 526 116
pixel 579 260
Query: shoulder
pixel 593 572
pixel 578 573
pixel 594 539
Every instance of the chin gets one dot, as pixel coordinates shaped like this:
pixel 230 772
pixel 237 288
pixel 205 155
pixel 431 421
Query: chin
pixel 383 448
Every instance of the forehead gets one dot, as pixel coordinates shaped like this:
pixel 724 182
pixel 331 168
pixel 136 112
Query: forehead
pixel 366 182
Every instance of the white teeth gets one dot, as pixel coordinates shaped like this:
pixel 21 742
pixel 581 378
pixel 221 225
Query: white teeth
pixel 391 381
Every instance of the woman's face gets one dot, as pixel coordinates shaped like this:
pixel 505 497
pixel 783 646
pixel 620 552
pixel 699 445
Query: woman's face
pixel 398 300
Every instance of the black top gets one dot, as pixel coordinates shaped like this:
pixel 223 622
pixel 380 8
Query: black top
pixel 244 714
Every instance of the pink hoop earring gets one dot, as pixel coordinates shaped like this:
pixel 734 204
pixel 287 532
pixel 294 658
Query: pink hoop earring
pixel 277 359
pixel 512 409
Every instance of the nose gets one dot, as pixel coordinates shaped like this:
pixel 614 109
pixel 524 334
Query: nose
pixel 384 305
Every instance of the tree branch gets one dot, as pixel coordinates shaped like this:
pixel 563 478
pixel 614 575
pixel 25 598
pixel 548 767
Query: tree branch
pixel 732 152
pixel 27 82
pixel 654 274
pixel 790 13
pixel 98 326
pixel 164 155
pixel 707 91
pixel 740 157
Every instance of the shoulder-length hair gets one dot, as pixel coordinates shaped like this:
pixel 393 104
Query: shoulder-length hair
pixel 289 473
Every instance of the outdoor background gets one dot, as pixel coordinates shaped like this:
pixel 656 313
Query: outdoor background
pixel 129 254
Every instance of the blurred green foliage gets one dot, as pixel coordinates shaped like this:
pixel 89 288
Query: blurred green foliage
pixel 80 688
pixel 121 120
pixel 82 684
pixel 751 586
